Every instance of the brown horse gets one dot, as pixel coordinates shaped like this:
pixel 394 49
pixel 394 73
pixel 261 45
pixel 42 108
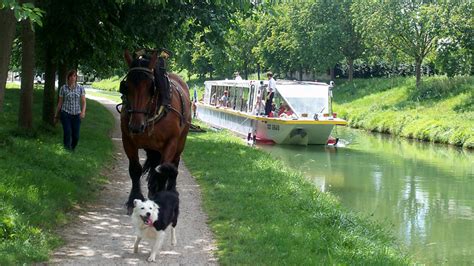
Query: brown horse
pixel 144 125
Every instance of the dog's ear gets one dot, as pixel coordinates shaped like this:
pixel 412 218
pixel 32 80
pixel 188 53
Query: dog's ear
pixel 135 202
pixel 156 205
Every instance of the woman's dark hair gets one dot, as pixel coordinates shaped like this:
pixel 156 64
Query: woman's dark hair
pixel 70 73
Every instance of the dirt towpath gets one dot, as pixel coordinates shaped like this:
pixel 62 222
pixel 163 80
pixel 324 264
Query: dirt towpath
pixel 101 232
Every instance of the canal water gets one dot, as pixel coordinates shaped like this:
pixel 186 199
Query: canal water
pixel 424 192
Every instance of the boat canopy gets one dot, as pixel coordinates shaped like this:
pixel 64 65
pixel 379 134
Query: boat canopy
pixel 305 98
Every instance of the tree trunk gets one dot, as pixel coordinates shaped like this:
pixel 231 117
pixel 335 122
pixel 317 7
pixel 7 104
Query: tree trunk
pixel 301 73
pixel 25 114
pixel 350 62
pixel 246 69
pixel 48 96
pixel 332 73
pixel 62 74
pixel 7 31
pixel 62 77
pixel 258 71
pixel 418 72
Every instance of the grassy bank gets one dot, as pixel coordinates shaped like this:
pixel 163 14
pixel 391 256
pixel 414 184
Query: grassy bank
pixel 441 110
pixel 264 214
pixel 110 95
pixel 40 181
pixel 110 84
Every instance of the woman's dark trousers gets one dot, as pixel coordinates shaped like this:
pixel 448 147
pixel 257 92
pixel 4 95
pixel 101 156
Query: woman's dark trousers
pixel 71 125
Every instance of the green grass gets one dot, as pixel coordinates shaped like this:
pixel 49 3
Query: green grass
pixel 441 110
pixel 110 84
pixel 110 95
pixel 264 214
pixel 12 85
pixel 40 181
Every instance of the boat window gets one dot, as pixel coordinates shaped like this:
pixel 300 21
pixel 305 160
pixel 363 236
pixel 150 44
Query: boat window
pixel 251 98
pixel 244 99
pixel 234 98
pixel 213 98
pixel 239 96
pixel 305 100
pixel 224 96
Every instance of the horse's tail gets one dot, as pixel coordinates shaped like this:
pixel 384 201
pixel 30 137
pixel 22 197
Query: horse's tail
pixel 170 173
pixel 153 159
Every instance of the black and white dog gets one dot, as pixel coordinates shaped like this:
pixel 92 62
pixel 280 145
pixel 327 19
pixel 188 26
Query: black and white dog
pixel 151 217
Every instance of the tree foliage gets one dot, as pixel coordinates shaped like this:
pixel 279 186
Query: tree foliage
pixel 295 39
pixel 455 50
pixel 409 27
pixel 24 10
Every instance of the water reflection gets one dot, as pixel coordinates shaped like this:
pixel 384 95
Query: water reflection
pixel 425 190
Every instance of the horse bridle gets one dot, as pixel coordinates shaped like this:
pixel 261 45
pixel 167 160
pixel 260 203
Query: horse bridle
pixel 124 88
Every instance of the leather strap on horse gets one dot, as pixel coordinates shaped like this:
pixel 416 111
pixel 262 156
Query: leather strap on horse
pixel 142 69
pixel 182 114
pixel 161 112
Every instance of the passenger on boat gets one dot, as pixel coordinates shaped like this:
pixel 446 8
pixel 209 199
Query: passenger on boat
pixel 284 110
pixel 237 76
pixel 270 93
pixel 213 99
pixel 273 112
pixel 224 99
pixel 259 104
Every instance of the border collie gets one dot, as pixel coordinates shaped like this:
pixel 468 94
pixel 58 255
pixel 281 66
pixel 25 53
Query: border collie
pixel 150 218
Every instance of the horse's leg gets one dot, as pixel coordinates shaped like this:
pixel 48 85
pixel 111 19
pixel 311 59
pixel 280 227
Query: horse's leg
pixel 180 148
pixel 157 182
pixel 169 153
pixel 176 160
pixel 153 159
pixel 135 171
pixel 168 156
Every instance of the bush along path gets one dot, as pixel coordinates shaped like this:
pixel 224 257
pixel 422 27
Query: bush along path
pixel 102 233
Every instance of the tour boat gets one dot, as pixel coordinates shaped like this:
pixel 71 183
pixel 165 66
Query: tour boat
pixel 301 110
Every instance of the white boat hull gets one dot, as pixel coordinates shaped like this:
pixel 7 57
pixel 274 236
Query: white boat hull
pixel 294 133
pixel 280 131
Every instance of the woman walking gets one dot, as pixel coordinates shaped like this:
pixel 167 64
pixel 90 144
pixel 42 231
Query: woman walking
pixel 71 109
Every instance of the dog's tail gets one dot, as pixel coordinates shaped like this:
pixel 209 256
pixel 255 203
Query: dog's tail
pixel 168 172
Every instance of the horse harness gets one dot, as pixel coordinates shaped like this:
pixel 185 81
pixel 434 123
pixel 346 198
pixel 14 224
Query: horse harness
pixel 149 74
pixel 162 111
pixel 157 112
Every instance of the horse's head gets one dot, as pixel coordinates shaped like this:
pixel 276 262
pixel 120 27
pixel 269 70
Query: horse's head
pixel 138 88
